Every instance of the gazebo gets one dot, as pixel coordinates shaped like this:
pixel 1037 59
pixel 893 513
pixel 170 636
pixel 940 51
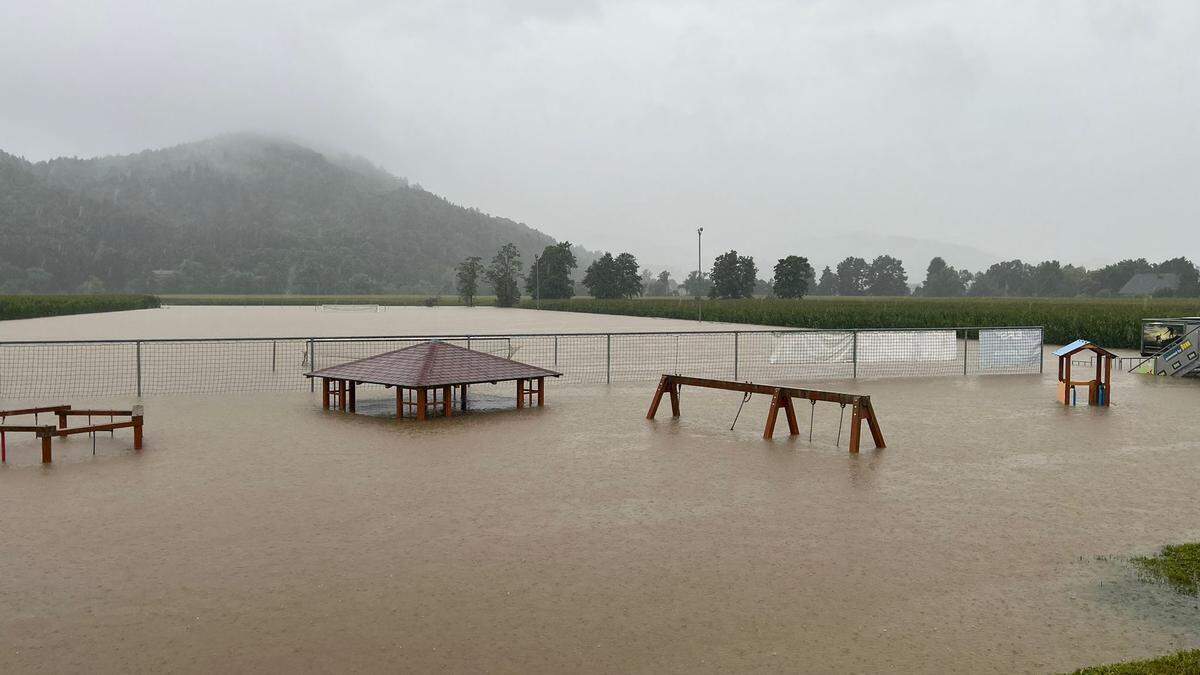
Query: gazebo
pixel 1100 388
pixel 430 374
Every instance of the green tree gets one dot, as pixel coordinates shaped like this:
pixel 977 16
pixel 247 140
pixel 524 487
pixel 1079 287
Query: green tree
pixel 503 273
pixel 1010 278
pixel 697 284
pixel 886 276
pixel 660 286
pixel 733 276
pixel 1046 280
pixel 467 279
pixel 942 280
pixel 630 280
pixel 792 276
pixel 851 276
pixel 828 283
pixel 613 277
pixel 550 277
pixel 1189 279
pixel 1110 278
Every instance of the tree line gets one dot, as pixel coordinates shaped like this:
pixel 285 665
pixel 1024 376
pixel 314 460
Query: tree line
pixel 735 276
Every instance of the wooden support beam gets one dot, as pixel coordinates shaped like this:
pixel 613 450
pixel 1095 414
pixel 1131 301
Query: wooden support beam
pixel 447 401
pixel 325 393
pixel 674 398
pixel 663 383
pixel 46 454
pixel 520 393
pixel 353 397
pixel 462 398
pixel 772 415
pixel 137 432
pixel 399 403
pixel 855 426
pixel 873 423
pixel 541 391
pixel 793 427
pixel 421 403
pixel 1108 361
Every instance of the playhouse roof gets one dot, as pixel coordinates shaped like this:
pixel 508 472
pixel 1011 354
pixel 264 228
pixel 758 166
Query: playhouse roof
pixel 1080 345
pixel 432 364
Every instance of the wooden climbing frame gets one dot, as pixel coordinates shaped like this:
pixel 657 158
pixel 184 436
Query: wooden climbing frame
pixel 781 398
pixel 47 432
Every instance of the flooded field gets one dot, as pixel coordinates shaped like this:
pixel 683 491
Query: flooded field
pixel 257 532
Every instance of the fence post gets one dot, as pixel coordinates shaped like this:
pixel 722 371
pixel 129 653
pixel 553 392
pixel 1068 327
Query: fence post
pixel 556 351
pixel 1041 349
pixel 139 368
pixel 608 359
pixel 854 353
pixel 735 354
pixel 312 363
pixel 273 343
pixel 965 343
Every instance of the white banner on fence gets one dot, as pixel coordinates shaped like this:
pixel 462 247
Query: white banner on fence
pixel 907 345
pixel 817 347
pixel 1006 348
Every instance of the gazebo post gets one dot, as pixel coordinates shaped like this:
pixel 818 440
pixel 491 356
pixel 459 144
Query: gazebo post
pixel 325 393
pixel 342 395
pixel 353 396
pixel 399 403
pixel 541 389
pixel 520 393
pixel 1108 380
pixel 447 401
pixel 421 404
pixel 463 399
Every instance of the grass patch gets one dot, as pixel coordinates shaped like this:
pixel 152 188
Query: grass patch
pixel 1177 566
pixel 306 300
pixel 1114 323
pixel 1181 663
pixel 35 306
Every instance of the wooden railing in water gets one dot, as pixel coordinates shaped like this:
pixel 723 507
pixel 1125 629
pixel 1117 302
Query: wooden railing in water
pixel 47 432
pixel 781 398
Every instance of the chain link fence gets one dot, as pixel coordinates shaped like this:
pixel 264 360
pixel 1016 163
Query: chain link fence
pixel 211 366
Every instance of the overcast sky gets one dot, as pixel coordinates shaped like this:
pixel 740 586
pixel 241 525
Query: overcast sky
pixel 1037 129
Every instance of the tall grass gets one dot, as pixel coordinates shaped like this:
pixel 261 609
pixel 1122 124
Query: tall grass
pixel 33 306
pixel 1109 322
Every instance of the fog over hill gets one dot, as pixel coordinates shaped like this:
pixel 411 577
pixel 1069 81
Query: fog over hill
pixel 238 213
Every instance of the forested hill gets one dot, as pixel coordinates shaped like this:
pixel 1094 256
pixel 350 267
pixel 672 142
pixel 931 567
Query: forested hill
pixel 234 214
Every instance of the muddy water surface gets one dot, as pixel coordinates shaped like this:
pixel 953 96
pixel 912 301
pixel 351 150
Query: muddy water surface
pixel 258 532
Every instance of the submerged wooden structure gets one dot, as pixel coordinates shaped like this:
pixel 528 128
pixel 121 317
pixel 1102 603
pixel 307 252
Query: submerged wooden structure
pixel 47 432
pixel 428 377
pixel 781 399
pixel 1099 388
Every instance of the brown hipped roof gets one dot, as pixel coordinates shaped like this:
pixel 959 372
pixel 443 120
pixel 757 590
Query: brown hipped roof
pixel 432 364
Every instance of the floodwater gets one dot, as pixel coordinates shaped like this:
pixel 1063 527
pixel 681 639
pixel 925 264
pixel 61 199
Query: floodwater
pixel 258 532
pixel 195 321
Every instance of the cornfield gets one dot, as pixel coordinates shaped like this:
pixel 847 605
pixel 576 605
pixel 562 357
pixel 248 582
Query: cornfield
pixel 32 306
pixel 1111 322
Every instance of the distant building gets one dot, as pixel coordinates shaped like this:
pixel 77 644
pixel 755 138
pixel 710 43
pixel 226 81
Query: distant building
pixel 1149 284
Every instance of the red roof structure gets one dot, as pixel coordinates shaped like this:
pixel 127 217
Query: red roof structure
pixel 435 367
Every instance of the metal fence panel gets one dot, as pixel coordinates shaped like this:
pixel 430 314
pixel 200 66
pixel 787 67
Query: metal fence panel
pixel 206 366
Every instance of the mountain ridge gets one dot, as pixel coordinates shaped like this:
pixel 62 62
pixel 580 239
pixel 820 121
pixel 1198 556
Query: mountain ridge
pixel 236 213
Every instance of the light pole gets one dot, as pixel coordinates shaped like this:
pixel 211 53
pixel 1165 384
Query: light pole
pixel 699 278
pixel 537 282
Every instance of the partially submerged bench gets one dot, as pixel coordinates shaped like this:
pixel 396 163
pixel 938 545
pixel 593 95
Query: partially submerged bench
pixel 47 432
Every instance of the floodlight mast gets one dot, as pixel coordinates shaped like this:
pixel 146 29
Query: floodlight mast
pixel 699 275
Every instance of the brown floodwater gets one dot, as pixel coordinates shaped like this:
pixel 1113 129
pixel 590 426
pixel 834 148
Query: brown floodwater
pixel 257 532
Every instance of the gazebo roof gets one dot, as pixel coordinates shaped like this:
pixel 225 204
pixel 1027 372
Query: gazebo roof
pixel 432 364
pixel 1080 345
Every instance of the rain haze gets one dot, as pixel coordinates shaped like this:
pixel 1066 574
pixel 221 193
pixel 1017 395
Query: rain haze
pixel 1066 130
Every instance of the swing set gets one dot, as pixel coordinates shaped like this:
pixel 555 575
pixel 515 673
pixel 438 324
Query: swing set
pixel 781 398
